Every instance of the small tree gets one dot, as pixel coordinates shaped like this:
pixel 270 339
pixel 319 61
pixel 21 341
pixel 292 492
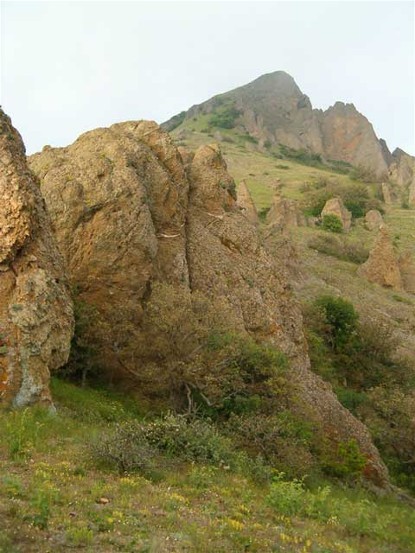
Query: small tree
pixel 341 320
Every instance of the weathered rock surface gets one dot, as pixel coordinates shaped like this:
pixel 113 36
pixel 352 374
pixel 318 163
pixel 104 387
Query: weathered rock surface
pixel 284 213
pixel 386 193
pixel 348 136
pixel 401 168
pixel 373 219
pixel 128 212
pixel 382 266
pixel 407 270
pixel 411 194
pixel 335 206
pixel 36 319
pixel 246 203
pixel 273 109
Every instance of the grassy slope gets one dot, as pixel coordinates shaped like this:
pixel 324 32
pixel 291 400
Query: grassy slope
pixel 50 497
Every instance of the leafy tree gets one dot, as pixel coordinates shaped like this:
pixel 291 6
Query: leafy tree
pixel 340 319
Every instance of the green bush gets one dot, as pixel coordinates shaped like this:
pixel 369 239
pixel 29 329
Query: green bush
pixel 340 319
pixel 341 248
pixel 225 117
pixel 332 223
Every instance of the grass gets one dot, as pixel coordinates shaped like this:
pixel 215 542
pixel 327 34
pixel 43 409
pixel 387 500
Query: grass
pixel 53 497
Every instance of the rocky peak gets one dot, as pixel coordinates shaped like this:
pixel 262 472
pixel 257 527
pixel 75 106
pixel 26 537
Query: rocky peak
pixel 273 109
pixel 36 319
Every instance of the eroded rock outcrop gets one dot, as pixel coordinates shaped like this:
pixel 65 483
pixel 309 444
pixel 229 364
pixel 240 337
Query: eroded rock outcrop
pixel 335 206
pixel 36 319
pixel 373 219
pixel 407 270
pixel 401 168
pixel 284 213
pixel 246 203
pixel 386 193
pixel 382 266
pixel 129 212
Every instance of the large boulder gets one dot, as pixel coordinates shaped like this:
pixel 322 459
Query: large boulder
pixel 36 318
pixel 131 212
pixel 335 206
pixel 284 213
pixel 373 220
pixel 407 270
pixel 382 266
pixel 386 193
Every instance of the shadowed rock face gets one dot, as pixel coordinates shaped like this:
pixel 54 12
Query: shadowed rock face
pixel 36 321
pixel 273 108
pixel 130 210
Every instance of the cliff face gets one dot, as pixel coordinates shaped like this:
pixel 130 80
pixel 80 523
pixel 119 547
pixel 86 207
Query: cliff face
pixel 272 108
pixel 130 211
pixel 36 320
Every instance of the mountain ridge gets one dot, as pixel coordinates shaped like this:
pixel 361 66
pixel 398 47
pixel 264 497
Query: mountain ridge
pixel 273 110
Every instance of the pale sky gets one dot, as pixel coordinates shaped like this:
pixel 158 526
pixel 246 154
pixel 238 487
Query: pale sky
pixel 68 67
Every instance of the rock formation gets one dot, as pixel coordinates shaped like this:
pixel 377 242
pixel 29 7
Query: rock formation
pixel 386 193
pixel 335 206
pixel 246 203
pixel 284 213
pixel 401 168
pixel 407 270
pixel 36 320
pixel 272 109
pixel 348 136
pixel 382 266
pixel 373 220
pixel 411 195
pixel 128 213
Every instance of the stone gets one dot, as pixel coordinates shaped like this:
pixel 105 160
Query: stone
pixel 131 212
pixel 386 193
pixel 246 203
pixel 373 220
pixel 335 206
pixel 382 266
pixel 401 168
pixel 36 316
pixel 407 270
pixel 411 194
pixel 284 213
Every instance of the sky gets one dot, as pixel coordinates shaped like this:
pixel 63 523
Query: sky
pixel 68 67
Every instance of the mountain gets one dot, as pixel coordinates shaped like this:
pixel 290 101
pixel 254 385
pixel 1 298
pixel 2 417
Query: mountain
pixel 274 111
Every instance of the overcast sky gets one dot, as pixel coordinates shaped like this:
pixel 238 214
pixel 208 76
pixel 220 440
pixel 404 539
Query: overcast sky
pixel 67 67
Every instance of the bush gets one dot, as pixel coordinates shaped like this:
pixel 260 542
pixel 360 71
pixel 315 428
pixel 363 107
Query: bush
pixel 283 440
pixel 225 117
pixel 332 223
pixel 341 248
pixel 340 318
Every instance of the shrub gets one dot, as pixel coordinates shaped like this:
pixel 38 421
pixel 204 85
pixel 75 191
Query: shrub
pixel 225 117
pixel 332 223
pixel 341 248
pixel 347 462
pixel 341 320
